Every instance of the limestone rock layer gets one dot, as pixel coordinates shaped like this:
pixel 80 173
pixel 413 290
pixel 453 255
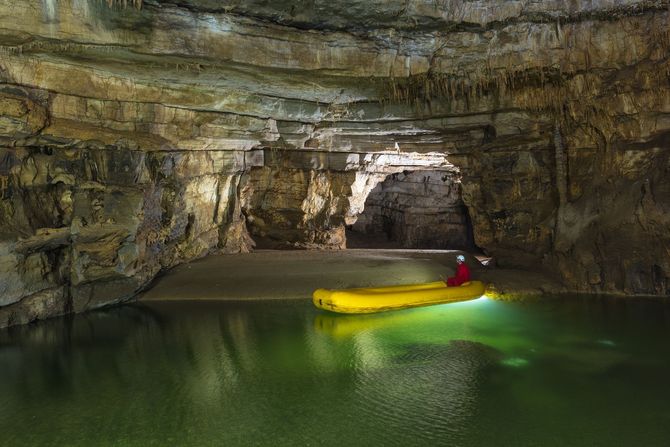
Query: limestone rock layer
pixel 138 135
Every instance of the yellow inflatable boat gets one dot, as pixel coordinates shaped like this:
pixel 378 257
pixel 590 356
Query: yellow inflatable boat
pixel 377 299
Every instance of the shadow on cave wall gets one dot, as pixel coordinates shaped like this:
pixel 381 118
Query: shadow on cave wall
pixel 416 210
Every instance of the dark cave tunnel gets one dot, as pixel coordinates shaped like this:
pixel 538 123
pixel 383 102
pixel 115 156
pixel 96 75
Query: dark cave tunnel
pixel 420 209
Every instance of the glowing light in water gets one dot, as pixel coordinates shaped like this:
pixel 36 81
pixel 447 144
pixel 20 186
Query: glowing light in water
pixel 477 301
pixel 515 362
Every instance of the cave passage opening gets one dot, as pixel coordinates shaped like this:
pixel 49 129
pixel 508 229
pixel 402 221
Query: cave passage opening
pixel 414 209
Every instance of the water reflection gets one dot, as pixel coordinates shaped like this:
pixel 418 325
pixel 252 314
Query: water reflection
pixel 286 374
pixel 343 326
pixel 68 348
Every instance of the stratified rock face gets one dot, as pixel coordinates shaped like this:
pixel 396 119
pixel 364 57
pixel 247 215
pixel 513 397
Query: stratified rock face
pixel 418 209
pixel 135 138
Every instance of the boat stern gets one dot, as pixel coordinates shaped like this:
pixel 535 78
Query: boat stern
pixel 322 299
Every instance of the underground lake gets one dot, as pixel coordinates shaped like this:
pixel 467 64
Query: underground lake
pixel 178 177
pixel 578 371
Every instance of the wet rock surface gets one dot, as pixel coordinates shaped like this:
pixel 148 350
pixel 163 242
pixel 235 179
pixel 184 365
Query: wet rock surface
pixel 135 138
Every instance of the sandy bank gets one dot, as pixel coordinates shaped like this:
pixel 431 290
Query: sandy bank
pixel 269 274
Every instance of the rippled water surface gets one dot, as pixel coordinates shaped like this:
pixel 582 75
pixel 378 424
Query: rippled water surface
pixel 577 372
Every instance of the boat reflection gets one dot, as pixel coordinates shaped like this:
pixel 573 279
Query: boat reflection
pixel 344 326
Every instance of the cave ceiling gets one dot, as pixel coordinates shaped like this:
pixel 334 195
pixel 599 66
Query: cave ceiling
pixel 400 69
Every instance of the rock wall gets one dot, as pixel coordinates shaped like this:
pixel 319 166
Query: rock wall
pixel 133 138
pixel 305 200
pixel 85 227
pixel 418 209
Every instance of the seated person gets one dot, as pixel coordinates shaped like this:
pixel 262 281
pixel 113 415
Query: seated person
pixel 462 272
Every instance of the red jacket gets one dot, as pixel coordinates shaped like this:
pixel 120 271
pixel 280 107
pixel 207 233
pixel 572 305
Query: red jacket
pixel 462 275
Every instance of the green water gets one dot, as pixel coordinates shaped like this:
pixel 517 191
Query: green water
pixel 577 372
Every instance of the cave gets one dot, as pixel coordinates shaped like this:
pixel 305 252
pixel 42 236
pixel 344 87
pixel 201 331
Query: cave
pixel 414 210
pixel 178 179
pixel 136 136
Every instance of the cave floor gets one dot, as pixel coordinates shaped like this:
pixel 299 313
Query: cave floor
pixel 275 274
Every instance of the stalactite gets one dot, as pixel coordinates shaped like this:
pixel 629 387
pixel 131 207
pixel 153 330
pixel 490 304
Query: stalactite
pixel 125 3
pixel 51 10
pixel 561 166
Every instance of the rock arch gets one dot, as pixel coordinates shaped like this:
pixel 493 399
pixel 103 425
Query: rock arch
pixel 420 209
